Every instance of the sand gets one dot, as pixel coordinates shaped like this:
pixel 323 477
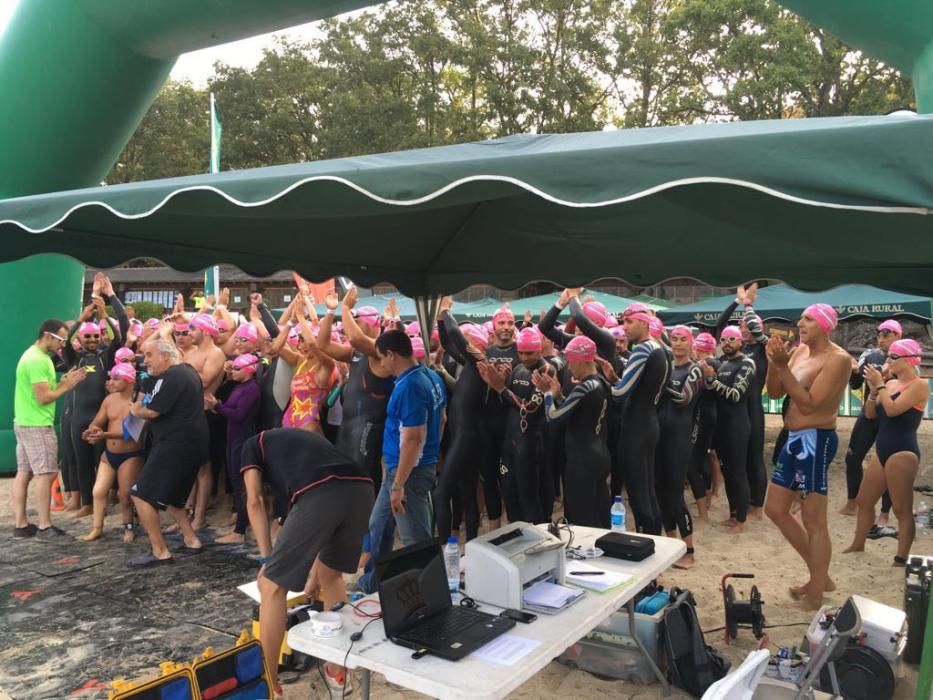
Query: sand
pixel 760 550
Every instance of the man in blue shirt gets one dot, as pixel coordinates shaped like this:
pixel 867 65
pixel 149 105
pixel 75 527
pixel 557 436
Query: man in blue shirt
pixel 411 443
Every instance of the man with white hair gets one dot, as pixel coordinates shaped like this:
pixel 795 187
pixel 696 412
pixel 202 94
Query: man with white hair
pixel 175 411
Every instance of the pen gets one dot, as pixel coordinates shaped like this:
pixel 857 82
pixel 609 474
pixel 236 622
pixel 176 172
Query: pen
pixel 587 573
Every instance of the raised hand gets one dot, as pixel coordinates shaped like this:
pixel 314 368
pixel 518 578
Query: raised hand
pixel 491 376
pixel 777 352
pixel 105 286
pixel 351 297
pixel 446 304
pixel 608 371
pixel 255 299
pixel 331 301
pixel 224 297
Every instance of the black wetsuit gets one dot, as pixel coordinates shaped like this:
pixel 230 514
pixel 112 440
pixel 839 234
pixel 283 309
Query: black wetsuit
pixel 755 349
pixel 79 406
pixel 733 428
pixel 365 397
pixel 583 411
pixel 641 387
pixel 494 415
pixel 676 416
pixel 466 422
pixel 864 431
pixel 704 428
pixel 523 469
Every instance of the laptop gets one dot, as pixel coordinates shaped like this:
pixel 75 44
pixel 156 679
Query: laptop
pixel 417 611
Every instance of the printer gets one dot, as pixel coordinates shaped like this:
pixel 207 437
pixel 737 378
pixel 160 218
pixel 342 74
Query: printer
pixel 499 565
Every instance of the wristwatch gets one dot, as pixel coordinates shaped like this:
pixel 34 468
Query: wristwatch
pixel 398 487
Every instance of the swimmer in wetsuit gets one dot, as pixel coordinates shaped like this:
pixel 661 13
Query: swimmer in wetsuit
pixel 730 383
pixel 815 378
pixel 865 430
pixel 897 406
pixel 586 491
pixel 122 459
pixel 466 423
pixel 640 388
pixel 676 416
pixel 700 473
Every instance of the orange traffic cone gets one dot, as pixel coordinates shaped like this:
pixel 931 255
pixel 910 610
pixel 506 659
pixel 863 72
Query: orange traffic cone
pixel 58 501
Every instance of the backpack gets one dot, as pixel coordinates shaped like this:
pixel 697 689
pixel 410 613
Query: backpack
pixel 692 666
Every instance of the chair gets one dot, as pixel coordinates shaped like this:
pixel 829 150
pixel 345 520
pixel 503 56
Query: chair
pixel 741 683
pixel 829 649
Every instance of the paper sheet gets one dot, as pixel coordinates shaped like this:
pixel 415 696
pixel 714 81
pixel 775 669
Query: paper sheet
pixel 550 595
pixel 506 649
pixel 133 428
pixel 252 590
pixel 605 581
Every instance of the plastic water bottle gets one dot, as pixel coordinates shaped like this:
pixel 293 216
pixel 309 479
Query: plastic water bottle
pixel 452 562
pixel 617 515
pixel 922 519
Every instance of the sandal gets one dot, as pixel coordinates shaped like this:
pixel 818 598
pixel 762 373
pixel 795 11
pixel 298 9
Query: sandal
pixel 147 560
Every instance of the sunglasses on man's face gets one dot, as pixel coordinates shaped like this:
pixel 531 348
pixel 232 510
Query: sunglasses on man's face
pixel 180 333
pixel 885 333
pixel 88 336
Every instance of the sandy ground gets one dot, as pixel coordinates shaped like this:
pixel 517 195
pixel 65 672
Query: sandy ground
pixel 760 550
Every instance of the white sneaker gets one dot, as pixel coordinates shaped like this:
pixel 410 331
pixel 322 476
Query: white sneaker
pixel 338 684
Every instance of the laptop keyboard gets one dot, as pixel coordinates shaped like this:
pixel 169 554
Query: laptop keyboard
pixel 441 627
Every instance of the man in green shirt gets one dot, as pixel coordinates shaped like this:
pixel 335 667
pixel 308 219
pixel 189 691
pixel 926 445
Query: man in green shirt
pixel 33 423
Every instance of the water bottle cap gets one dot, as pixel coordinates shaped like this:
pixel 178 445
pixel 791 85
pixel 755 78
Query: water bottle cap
pixel 618 499
pixel 452 540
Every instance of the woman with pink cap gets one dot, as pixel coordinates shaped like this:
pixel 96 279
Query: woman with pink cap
pixel 239 410
pixel 466 425
pixel 122 459
pixel 704 465
pixel 864 431
pixel 583 414
pixel 898 407
pixel 315 372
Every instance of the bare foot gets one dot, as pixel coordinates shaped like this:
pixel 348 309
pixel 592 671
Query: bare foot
pixel 83 512
pixel 882 519
pixel 728 522
pixel 736 528
pixel 853 548
pixel 757 513
pixel 194 544
pixel 231 538
pixel 685 562
pixel 169 529
pixel 850 508
pixel 807 602
pixel 95 534
pixel 798 592
pixel 199 525
pixel 128 535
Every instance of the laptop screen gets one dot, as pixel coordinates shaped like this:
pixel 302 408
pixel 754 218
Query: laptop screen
pixel 412 586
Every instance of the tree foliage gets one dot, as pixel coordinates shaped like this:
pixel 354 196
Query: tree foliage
pixel 410 75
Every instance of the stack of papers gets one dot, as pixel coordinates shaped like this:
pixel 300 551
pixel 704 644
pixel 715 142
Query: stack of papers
pixel 549 597
pixel 593 578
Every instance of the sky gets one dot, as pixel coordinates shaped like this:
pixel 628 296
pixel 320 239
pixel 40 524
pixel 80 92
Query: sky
pixel 197 66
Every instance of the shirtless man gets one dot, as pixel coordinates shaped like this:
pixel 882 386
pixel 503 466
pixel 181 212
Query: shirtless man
pixel 814 376
pixel 198 350
pixel 122 459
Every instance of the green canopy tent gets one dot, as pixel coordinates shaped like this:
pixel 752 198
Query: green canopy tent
pixel 781 302
pixel 803 200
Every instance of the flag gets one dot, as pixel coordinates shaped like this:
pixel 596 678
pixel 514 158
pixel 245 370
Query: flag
pixel 217 130
pixel 318 291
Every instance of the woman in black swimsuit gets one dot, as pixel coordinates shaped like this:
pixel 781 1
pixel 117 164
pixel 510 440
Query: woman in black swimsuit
pixel 898 407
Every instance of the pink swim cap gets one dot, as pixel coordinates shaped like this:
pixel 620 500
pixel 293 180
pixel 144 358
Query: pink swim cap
pixel 136 326
pixel 529 340
pixel 206 324
pixel 413 330
pixel 638 312
pixel 580 349
pixel 611 322
pixel 489 328
pixel 153 324
pixel 704 342
pixel 246 332
pixel 476 335
pixel 368 315
pixel 596 312
pixel 247 363
pixel 124 355
pixel 682 331
pixel 907 349
pixel 294 335
pixel 88 328
pixel 893 326
pixel 618 332
pixel 824 315
pixel 503 313
pixel 124 371
pixel 222 326
pixel 655 327
pixel 417 347
pixel 731 333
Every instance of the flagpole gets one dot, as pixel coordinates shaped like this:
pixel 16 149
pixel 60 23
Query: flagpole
pixel 212 274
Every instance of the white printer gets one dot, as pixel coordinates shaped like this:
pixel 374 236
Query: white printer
pixel 499 565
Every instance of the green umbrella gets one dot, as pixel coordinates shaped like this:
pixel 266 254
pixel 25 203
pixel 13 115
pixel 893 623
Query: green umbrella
pixel 783 303
pixel 812 201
